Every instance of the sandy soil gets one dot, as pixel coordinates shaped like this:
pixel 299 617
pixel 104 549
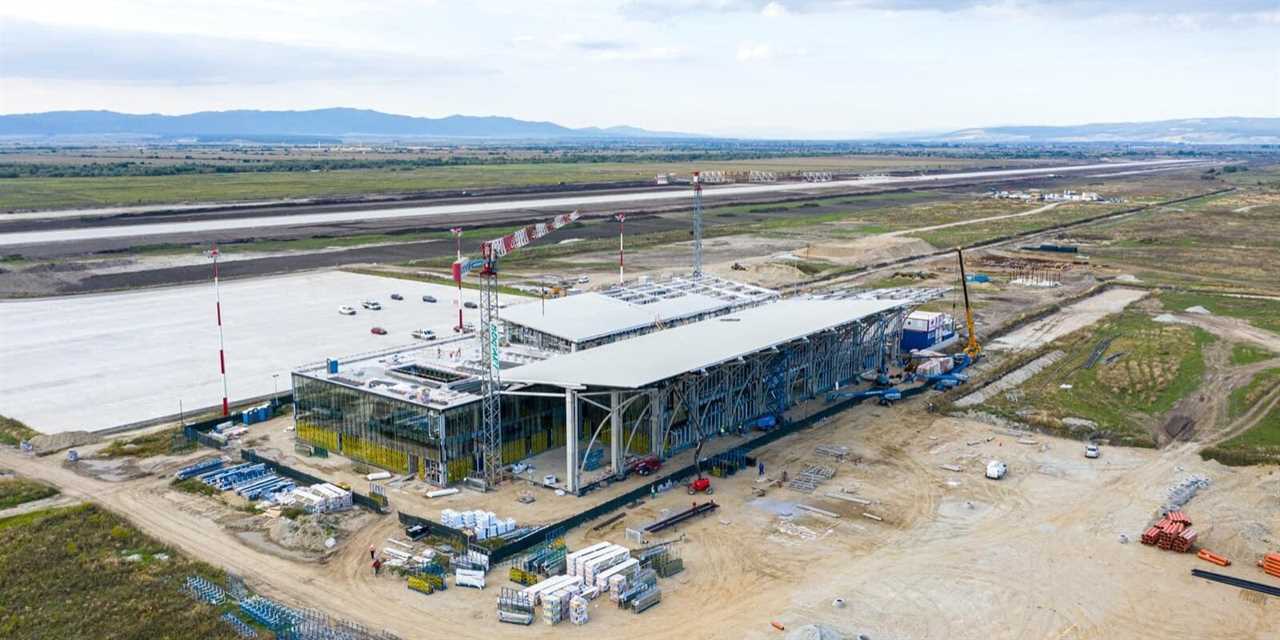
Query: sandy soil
pixel 1075 316
pixel 1037 555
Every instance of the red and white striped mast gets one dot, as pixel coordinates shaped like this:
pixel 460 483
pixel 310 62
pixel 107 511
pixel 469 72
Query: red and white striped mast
pixel 222 358
pixel 622 227
pixel 457 236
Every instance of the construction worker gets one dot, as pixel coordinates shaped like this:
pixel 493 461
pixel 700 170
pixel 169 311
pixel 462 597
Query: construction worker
pixel 372 554
pixel 761 469
pixel 377 566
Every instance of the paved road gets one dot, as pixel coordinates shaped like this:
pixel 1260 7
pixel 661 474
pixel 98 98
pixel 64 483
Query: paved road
pixel 562 202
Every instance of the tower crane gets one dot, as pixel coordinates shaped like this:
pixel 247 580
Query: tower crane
pixel 489 440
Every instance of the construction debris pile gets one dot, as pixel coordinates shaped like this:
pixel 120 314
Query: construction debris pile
pixel 1173 532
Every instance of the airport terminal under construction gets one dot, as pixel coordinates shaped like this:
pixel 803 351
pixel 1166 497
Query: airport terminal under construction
pixel 593 372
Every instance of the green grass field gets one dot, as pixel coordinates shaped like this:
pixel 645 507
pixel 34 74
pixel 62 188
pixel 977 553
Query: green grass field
pixel 144 446
pixel 1242 354
pixel 1161 364
pixel 1243 398
pixel 12 431
pixel 16 491
pixel 64 573
pixel 1261 313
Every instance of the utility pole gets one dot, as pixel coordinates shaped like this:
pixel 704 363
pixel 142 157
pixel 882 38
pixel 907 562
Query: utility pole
pixel 622 228
pixel 457 236
pixel 222 358
pixel 697 223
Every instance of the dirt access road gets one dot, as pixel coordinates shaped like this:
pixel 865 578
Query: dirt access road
pixel 1037 555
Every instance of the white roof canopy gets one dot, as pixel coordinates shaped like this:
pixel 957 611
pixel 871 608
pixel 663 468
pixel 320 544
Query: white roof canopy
pixel 644 360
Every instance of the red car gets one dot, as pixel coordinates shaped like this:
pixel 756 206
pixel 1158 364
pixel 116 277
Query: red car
pixel 378 331
pixel 646 466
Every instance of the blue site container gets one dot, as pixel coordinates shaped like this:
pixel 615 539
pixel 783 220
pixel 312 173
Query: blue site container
pixel 333 365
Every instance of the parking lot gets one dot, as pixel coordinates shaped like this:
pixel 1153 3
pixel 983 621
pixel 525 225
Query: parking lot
pixel 100 361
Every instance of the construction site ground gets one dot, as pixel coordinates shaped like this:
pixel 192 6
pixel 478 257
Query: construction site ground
pixel 1038 554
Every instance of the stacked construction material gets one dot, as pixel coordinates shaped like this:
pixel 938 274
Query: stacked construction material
pixel 550 585
pixel 206 465
pixel 578 610
pixel 1173 532
pixel 1271 564
pixel 605 579
pixel 592 566
pixel 320 498
pixel 484 523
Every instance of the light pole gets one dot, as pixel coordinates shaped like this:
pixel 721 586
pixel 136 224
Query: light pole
pixel 275 384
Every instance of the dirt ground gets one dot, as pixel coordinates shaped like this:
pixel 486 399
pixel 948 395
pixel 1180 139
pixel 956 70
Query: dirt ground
pixel 1037 555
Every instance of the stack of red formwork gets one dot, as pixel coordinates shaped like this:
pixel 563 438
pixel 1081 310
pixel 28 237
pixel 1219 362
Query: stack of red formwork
pixel 1271 564
pixel 1172 533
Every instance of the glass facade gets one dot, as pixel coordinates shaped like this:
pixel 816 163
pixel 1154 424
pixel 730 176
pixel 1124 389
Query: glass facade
pixel 405 437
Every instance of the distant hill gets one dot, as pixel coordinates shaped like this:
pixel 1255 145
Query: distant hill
pixel 1188 131
pixel 333 123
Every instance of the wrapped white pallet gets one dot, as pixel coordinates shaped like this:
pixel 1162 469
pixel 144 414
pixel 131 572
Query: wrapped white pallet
pixel 617 583
pixel 581 562
pixel 593 567
pixel 578 610
pixel 624 569
pixel 571 559
pixel 550 585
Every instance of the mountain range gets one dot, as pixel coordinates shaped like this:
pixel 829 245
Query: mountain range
pixel 1185 131
pixel 345 123
pixel 332 123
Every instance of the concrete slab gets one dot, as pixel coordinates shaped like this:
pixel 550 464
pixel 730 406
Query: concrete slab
pixel 99 361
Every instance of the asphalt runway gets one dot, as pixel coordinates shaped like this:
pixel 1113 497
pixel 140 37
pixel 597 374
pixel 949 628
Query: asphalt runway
pixel 99 361
pixel 216 224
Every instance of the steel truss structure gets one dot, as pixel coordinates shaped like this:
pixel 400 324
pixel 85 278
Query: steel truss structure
pixel 672 415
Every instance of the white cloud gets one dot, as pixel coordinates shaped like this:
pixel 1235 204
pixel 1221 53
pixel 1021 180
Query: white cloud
pixel 754 52
pixel 774 10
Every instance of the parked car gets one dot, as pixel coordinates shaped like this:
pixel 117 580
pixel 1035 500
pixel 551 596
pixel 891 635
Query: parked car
pixel 396 296
pixel 1091 450
pixel 471 305
pixel 424 334
pixel 428 299
pixel 647 465
pixel 997 470
pixel 584 279
pixel 378 331
pixel 371 305
pixel 346 310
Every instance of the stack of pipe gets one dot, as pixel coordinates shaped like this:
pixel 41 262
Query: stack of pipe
pixel 1271 564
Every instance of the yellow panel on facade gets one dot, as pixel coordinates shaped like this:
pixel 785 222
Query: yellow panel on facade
pixel 318 435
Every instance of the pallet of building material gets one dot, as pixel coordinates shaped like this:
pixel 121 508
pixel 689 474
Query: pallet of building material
pixel 624 569
pixel 1271 564
pixel 668 567
pixel 832 451
pixel 612 519
pixel 951 467
pixel 522 577
pixel 578 610
pixel 571 558
pixel 1237 582
pixel 872 516
pixel 646 600
pixel 421 585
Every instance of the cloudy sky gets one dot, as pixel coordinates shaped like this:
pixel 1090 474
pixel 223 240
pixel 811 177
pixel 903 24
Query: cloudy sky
pixel 738 67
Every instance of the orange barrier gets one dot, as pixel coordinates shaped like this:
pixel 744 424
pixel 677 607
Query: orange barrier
pixel 1209 556
pixel 778 626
